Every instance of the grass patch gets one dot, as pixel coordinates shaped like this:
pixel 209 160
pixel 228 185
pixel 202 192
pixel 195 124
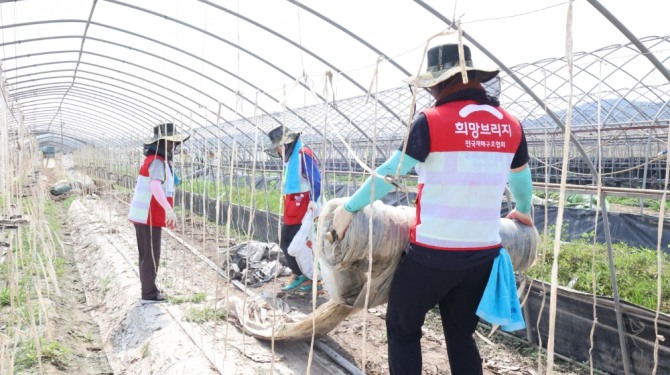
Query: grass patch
pixel 635 270
pixel 263 200
pixel 145 350
pixel 19 298
pixel 654 204
pixel 106 280
pixel 67 202
pixel 204 314
pixel 196 298
pixel 5 298
pixel 52 352
pixel 59 266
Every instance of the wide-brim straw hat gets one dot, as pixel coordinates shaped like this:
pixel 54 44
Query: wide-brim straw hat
pixel 281 136
pixel 167 132
pixel 444 63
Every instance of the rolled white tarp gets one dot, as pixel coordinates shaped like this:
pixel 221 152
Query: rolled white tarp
pixel 344 268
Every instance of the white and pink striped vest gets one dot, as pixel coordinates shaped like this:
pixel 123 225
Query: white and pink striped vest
pixel 461 182
pixel 144 209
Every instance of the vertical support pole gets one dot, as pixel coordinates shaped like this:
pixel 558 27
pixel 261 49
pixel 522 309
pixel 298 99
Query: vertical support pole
pixel 646 167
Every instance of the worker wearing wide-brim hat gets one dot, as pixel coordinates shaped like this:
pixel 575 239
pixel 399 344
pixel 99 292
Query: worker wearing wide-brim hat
pixel 465 149
pixel 301 188
pixel 151 208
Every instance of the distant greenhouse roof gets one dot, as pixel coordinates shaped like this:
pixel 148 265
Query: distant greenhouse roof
pixel 85 72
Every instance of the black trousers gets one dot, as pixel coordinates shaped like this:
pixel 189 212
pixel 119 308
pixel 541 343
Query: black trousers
pixel 415 290
pixel 287 234
pixel 149 246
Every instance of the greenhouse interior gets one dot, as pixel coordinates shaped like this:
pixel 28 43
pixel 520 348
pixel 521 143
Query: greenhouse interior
pixel 255 101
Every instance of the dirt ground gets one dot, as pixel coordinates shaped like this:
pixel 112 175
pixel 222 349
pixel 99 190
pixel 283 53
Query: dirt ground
pixel 112 333
pixel 361 338
pixel 73 326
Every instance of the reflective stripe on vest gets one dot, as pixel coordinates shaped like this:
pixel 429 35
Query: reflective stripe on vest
pixel 139 206
pixel 143 203
pixel 462 181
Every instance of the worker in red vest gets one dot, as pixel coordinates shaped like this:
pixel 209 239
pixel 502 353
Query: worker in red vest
pixel 466 148
pixel 301 188
pixel 151 207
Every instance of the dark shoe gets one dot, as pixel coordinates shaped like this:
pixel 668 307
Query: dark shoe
pixel 295 282
pixel 158 299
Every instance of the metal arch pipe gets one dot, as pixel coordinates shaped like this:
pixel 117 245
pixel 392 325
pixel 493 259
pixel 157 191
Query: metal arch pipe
pixel 552 73
pixel 631 89
pixel 121 113
pixel 158 116
pixel 150 122
pixel 614 49
pixel 110 78
pixel 91 113
pixel 604 78
pixel 38 116
pixel 244 97
pixel 538 83
pixel 35 118
pixel 107 68
pixel 70 142
pixel 269 63
pixel 83 129
pixel 64 145
pixel 53 135
pixel 131 75
pixel 90 89
pixel 134 92
pixel 81 49
pixel 67 143
pixel 309 52
pixel 180 51
pixel 633 39
pixel 155 72
pixel 122 125
pixel 82 132
pixel 346 31
pixel 217 67
pixel 78 127
pixel 74 139
pixel 116 106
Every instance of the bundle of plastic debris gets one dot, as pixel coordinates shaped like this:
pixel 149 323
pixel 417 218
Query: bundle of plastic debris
pixel 254 263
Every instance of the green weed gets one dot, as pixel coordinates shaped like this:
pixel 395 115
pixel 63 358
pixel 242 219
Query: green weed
pixel 59 266
pixel 145 350
pixel 5 297
pixel 52 352
pixel 636 271
pixel 204 314
pixel 67 202
pixel 196 298
pixel 106 280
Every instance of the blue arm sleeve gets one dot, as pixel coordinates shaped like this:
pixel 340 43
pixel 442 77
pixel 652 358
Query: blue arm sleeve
pixel 313 175
pixel 361 197
pixel 521 186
